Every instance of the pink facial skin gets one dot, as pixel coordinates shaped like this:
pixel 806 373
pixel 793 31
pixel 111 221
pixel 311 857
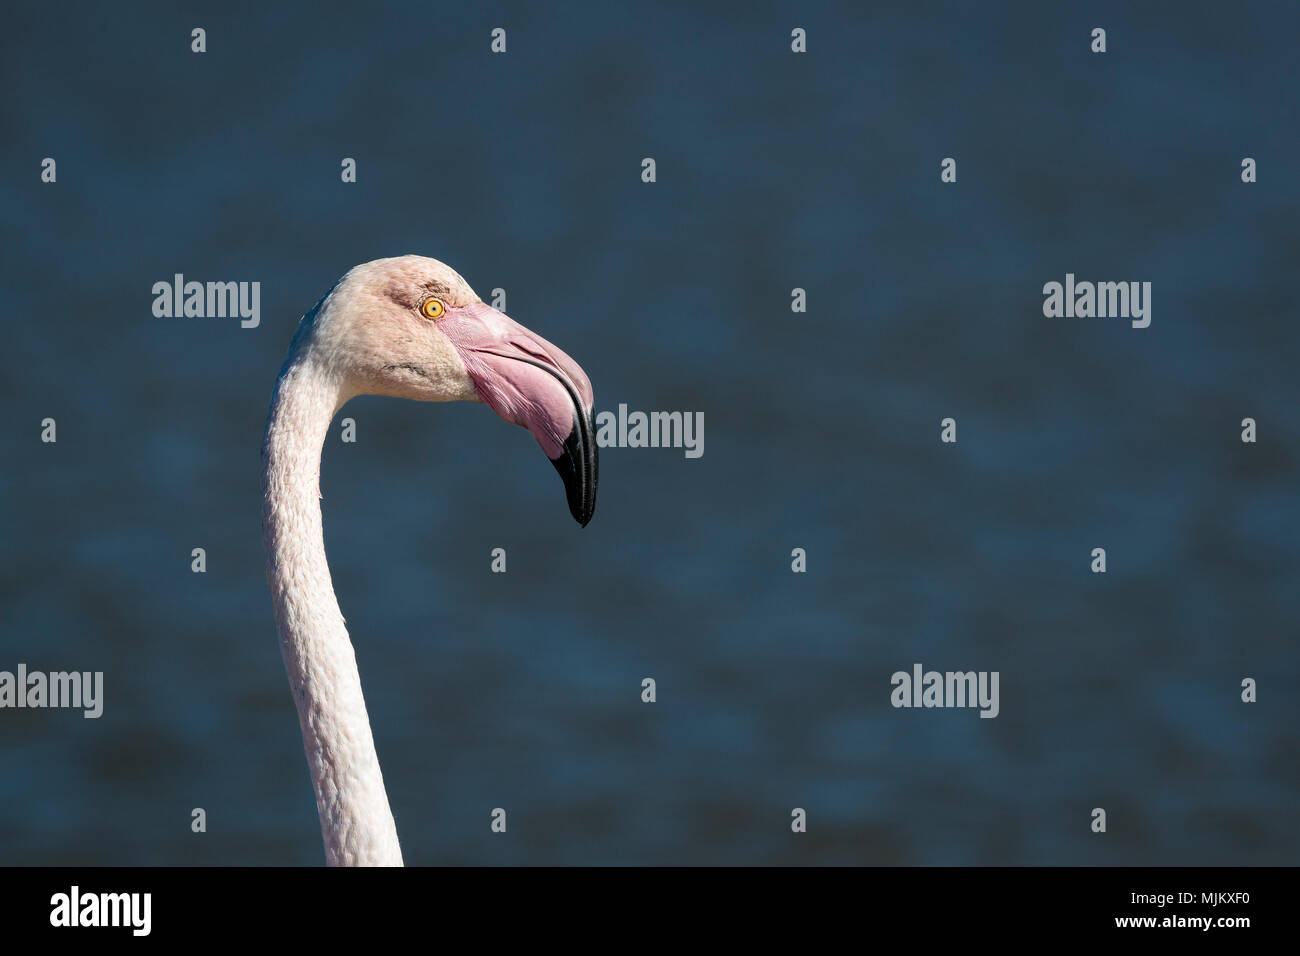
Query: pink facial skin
pixel 497 352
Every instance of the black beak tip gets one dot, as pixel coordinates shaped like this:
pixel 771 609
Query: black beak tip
pixel 577 466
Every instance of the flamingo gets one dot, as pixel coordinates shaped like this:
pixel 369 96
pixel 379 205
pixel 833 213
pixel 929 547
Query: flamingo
pixel 408 327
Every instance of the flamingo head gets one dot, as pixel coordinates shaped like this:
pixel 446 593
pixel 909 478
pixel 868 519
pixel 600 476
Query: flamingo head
pixel 411 327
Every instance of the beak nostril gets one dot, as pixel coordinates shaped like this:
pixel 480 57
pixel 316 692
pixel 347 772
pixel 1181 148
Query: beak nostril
pixel 536 351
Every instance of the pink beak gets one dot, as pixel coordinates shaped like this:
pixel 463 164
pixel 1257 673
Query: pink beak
pixel 529 382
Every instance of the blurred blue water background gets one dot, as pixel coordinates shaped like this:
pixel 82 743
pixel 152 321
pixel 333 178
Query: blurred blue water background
pixel 775 170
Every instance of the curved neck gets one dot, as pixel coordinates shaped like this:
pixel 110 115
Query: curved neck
pixel 355 818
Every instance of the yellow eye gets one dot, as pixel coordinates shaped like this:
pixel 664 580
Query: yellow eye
pixel 433 309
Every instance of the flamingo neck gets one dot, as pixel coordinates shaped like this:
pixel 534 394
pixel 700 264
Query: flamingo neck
pixel 356 821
